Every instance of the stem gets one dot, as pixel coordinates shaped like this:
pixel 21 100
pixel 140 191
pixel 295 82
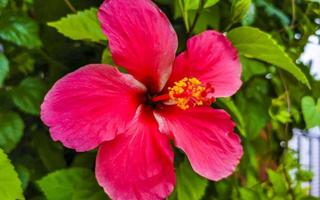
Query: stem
pixel 184 14
pixel 228 27
pixel 288 99
pixel 69 4
pixel 198 13
pixel 49 59
pixel 293 5
pixel 285 172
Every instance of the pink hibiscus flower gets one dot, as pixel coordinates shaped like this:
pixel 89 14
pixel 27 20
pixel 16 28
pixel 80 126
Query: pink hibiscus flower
pixel 132 117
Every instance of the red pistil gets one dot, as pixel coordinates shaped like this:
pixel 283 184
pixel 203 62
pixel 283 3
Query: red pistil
pixel 163 97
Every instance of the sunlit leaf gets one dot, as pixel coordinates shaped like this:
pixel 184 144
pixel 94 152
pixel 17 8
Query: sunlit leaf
pixel 278 181
pixel 83 25
pixel 107 57
pixel 311 111
pixel 194 4
pixel 10 185
pixel 250 16
pixel 239 9
pixel 254 43
pixel 247 194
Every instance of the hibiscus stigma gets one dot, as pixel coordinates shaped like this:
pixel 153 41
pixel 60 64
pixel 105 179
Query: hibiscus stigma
pixel 190 92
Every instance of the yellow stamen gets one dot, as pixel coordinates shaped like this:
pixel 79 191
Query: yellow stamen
pixel 190 92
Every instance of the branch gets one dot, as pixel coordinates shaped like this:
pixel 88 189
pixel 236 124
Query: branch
pixel 285 172
pixel 69 4
pixel 196 18
pixel 293 5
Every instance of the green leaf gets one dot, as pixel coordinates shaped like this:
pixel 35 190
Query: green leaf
pixel 107 57
pixel 50 153
pixel 209 17
pixel 247 194
pixel 189 184
pixel 273 11
pixel 4 68
pixel 210 3
pixel 254 43
pixel 22 62
pixel 191 6
pixel 304 175
pixel 73 183
pixel 311 111
pixel 239 9
pixel 29 95
pixel 194 4
pixel 253 103
pixel 20 30
pixel 256 118
pixel 278 110
pixel 3 4
pixel 278 182
pixel 11 130
pixel 250 16
pixel 236 112
pixel 24 175
pixel 251 67
pixel 315 1
pixel 83 25
pixel 10 185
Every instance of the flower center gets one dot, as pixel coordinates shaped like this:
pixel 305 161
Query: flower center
pixel 190 92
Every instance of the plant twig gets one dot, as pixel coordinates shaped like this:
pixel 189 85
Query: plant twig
pixel 293 6
pixel 196 18
pixel 49 59
pixel 228 27
pixel 288 99
pixel 285 172
pixel 69 4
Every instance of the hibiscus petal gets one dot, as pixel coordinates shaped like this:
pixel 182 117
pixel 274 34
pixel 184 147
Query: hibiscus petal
pixel 90 105
pixel 211 58
pixel 141 39
pixel 137 164
pixel 206 136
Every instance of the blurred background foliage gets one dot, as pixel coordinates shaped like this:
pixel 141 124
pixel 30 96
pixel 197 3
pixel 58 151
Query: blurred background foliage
pixel 42 40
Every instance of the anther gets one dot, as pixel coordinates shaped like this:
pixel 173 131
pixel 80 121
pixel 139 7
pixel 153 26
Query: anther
pixel 190 92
